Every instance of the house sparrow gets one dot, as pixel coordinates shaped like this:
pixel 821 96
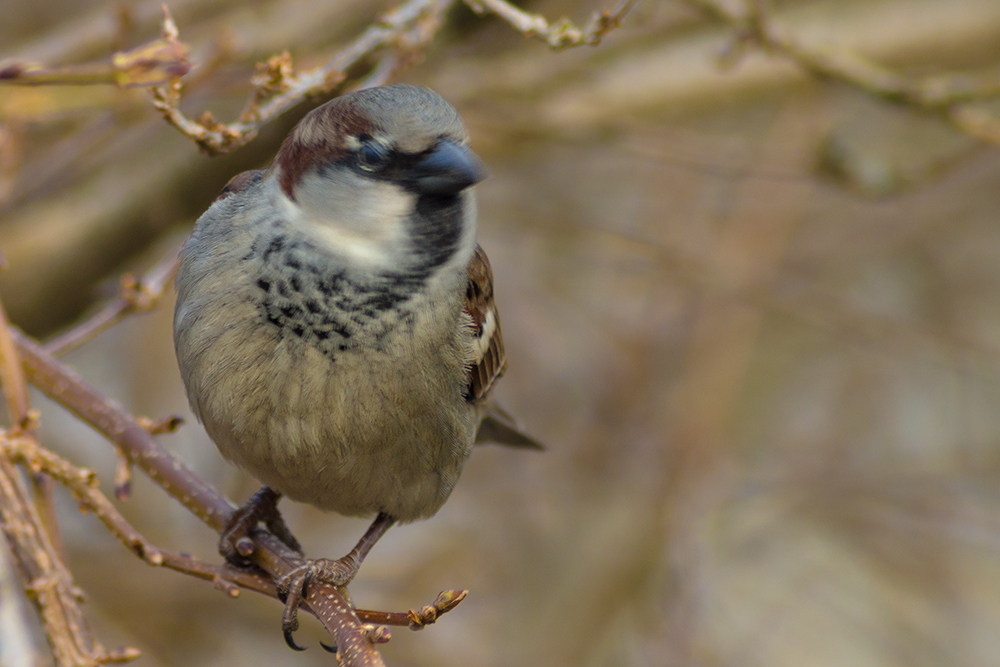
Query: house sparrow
pixel 335 325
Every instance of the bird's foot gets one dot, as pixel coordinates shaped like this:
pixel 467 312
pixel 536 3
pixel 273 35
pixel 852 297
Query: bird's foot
pixel 293 587
pixel 234 541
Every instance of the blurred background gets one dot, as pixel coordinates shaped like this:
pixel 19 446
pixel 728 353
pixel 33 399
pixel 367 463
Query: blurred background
pixel 753 315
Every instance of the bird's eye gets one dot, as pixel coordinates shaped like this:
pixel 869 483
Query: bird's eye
pixel 372 155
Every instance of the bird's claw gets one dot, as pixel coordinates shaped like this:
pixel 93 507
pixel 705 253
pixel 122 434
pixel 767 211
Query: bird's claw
pixel 291 642
pixel 293 588
pixel 234 541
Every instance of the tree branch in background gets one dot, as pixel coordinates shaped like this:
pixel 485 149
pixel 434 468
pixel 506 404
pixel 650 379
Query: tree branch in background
pixel 47 581
pixel 409 28
pixel 404 33
pixel 562 33
pixel 16 647
pixel 952 97
pixel 135 296
pixel 151 64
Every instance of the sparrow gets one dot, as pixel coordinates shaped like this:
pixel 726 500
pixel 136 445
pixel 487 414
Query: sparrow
pixel 335 326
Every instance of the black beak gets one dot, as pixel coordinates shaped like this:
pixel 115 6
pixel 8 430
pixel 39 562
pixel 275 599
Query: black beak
pixel 447 170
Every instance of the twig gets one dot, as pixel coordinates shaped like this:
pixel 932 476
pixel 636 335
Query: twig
pixel 16 647
pixel 15 391
pixel 151 64
pixel 561 34
pixel 950 97
pixel 48 582
pixel 135 296
pixel 83 484
pixel 277 82
pixel 15 388
pixel 416 620
pixel 406 31
pixel 225 578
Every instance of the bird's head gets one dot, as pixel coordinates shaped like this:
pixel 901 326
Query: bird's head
pixel 384 173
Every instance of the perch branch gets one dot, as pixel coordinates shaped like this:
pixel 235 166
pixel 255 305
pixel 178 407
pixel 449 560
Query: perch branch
pixel 83 484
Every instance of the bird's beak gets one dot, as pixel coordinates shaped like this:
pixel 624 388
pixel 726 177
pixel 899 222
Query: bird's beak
pixel 448 169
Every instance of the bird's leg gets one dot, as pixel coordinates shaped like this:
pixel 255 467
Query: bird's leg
pixel 262 506
pixel 294 586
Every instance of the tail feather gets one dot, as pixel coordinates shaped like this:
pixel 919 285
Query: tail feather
pixel 500 427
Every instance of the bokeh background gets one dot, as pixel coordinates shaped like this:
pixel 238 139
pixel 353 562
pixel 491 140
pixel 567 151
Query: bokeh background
pixel 754 316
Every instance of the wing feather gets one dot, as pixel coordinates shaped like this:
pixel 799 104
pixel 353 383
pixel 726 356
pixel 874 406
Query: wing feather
pixel 487 362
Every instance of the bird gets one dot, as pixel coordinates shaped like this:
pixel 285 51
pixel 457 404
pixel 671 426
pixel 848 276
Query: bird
pixel 335 324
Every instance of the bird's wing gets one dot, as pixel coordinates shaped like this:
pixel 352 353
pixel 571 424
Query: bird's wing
pixel 488 361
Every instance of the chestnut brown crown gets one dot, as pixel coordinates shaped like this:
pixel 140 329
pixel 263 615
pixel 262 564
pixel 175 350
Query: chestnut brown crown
pixel 399 120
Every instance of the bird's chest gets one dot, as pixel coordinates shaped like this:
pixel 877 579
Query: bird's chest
pixel 302 293
pixel 356 403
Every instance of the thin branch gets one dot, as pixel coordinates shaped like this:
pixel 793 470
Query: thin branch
pixel 150 64
pixel 15 391
pixel 16 647
pixel 416 620
pixel 15 387
pixel 83 483
pixel 950 97
pixel 225 578
pixel 561 34
pixel 48 583
pixel 277 82
pixel 135 296
pixel 404 32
